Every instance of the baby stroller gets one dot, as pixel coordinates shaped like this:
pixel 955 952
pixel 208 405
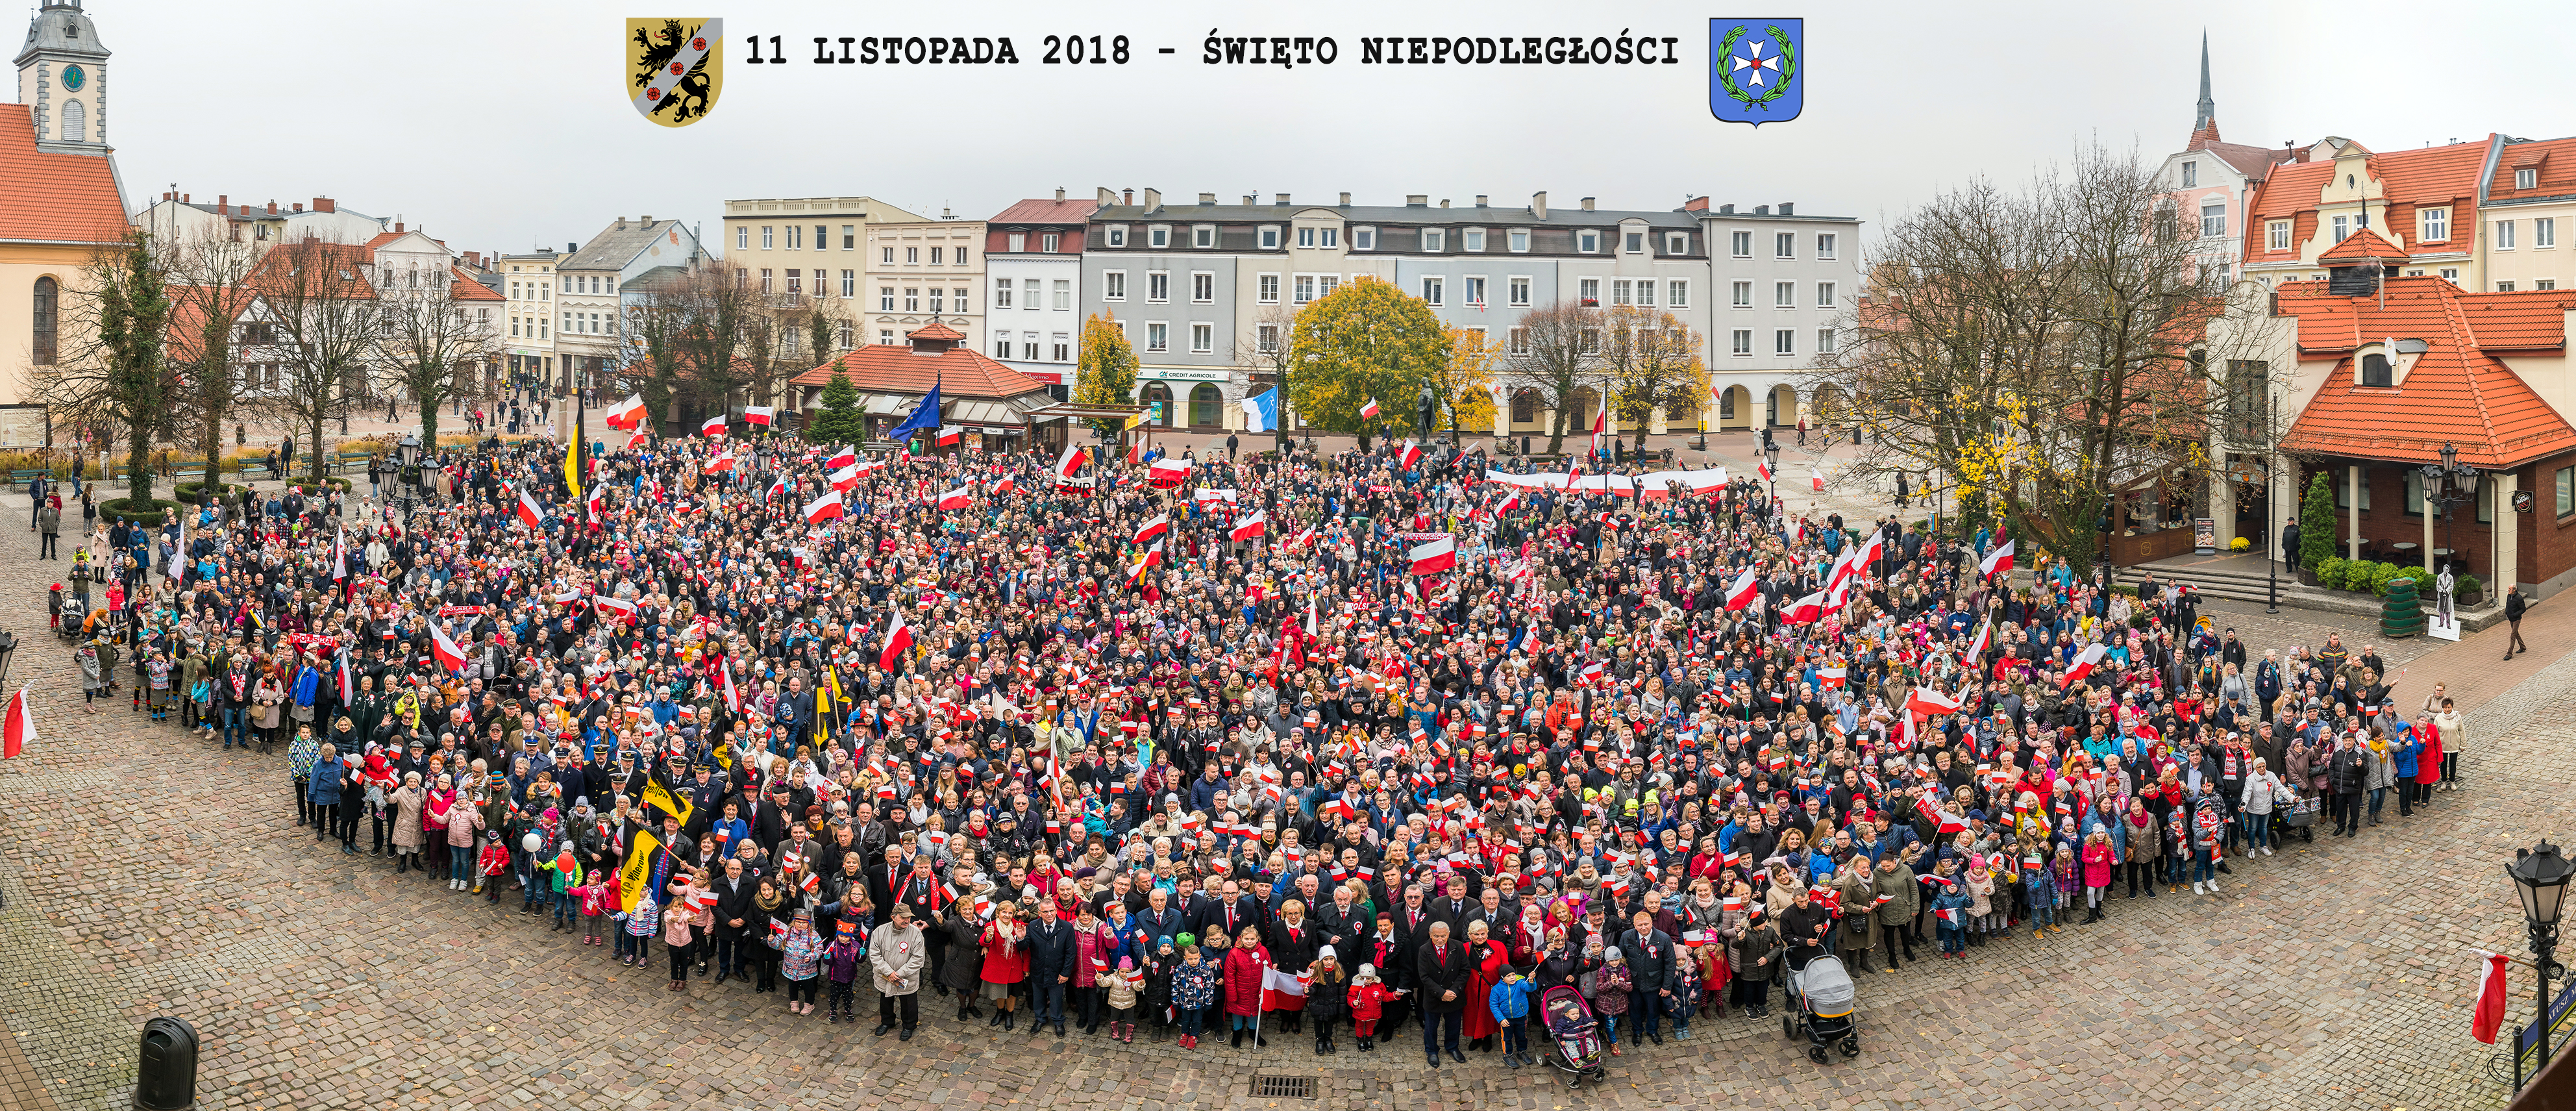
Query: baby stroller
pixel 74 612
pixel 1578 1036
pixel 1823 994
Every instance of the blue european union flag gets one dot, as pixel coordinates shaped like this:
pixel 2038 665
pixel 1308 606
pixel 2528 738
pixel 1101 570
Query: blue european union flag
pixel 1757 70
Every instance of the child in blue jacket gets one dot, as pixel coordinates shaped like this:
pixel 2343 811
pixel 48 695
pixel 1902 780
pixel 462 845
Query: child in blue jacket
pixel 1510 1002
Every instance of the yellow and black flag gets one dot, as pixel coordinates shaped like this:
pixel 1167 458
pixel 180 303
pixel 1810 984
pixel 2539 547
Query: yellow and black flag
pixel 659 795
pixel 575 456
pixel 636 877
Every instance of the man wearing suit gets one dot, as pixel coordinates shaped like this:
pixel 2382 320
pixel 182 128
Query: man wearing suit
pixel 1392 950
pixel 1440 976
pixel 1158 919
pixel 1412 918
pixel 1342 921
pixel 1051 957
pixel 1650 960
pixel 734 893
pixel 1233 912
pixel 1453 908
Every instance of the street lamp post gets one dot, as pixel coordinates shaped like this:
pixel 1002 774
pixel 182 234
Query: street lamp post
pixel 2450 483
pixel 2540 877
pixel 1771 461
pixel 2271 486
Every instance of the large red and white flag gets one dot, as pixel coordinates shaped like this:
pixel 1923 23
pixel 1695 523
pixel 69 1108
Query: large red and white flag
pixel 1998 561
pixel 2483 1020
pixel 596 504
pixel 1412 455
pixel 841 457
pixel 1168 472
pixel 957 498
pixel 1302 538
pixel 845 478
pixel 1805 610
pixel 898 641
pixel 1071 461
pixel 628 415
pixel 19 730
pixel 1160 524
pixel 1282 990
pixel 1434 557
pixel 714 426
pixel 1369 409
pixel 1745 589
pixel 1818 477
pixel 759 415
pixel 2083 665
pixel 1253 524
pixel 449 655
pixel 823 508
pixel 732 697
pixel 616 604
pixel 720 464
pixel 530 513
pixel 1931 703
pixel 1977 647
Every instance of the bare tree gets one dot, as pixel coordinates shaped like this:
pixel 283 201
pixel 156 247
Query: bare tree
pixel 111 373
pixel 1272 328
pixel 428 342
pixel 328 324
pixel 692 333
pixel 1558 355
pixel 210 291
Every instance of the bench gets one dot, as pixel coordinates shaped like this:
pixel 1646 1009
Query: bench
pixel 255 470
pixel 20 478
pixel 351 460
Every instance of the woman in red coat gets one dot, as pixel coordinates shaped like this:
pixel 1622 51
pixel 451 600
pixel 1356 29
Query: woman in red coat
pixel 1487 959
pixel 1245 965
pixel 1006 960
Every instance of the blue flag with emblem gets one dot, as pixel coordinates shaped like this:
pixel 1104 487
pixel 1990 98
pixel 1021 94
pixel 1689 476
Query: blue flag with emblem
pixel 1261 414
pixel 1757 70
pixel 926 415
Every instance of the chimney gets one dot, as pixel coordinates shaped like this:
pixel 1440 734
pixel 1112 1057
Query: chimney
pixel 1538 204
pixel 1250 199
pixel 272 208
pixel 1761 210
pixel 299 206
pixel 1695 204
pixel 397 227
pixel 223 203
pixel 1130 197
pixel 325 204
pixel 1417 200
pixel 1207 198
pixel 1282 200
pixel 183 198
pixel 1444 202
pixel 1059 194
pixel 1346 200
pixel 621 224
pixel 1726 210
pixel 1480 200
pixel 572 248
pixel 1587 204
pixel 1153 201
pixel 1103 196
pixel 1787 209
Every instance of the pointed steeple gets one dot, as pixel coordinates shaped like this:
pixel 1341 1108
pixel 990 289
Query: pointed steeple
pixel 2208 107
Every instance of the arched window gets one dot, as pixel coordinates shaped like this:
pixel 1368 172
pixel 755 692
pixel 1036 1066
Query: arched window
pixel 75 122
pixel 1157 400
pixel 1205 403
pixel 2375 371
pixel 46 301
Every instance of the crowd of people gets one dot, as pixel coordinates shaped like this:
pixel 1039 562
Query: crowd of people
pixel 1216 749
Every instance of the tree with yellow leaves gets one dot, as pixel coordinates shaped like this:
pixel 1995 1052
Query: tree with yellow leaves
pixel 1365 341
pixel 1651 361
pixel 1465 384
pixel 1105 370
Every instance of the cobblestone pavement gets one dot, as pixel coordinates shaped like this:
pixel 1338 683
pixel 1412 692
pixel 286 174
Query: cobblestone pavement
pixel 145 873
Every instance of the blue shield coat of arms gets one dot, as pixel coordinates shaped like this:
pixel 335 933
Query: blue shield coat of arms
pixel 1757 69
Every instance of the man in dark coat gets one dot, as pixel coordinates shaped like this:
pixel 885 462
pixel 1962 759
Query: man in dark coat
pixel 1051 956
pixel 1440 972
pixel 1650 962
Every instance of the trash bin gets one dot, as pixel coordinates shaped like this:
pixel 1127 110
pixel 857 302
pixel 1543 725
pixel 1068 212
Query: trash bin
pixel 167 1077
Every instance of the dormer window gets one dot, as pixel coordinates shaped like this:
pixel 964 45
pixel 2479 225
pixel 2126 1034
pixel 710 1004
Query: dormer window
pixel 1588 242
pixel 2375 371
pixel 71 28
pixel 1472 239
pixel 1117 235
pixel 1433 240
pixel 1158 237
pixel 2526 179
pixel 2437 225
pixel 1203 236
pixel 1270 237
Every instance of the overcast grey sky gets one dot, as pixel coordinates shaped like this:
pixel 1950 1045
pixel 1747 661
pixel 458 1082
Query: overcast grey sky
pixel 499 126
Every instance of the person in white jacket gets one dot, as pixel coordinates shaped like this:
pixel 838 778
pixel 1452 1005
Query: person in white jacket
pixel 896 954
pixel 2262 790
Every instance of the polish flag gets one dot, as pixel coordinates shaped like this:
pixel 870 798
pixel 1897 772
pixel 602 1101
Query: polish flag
pixel 1745 589
pixel 949 434
pixel 845 478
pixel 1997 561
pixel 1161 524
pixel 1168 472
pixel 758 414
pixel 1282 990
pixel 720 464
pixel 2483 1020
pixel 843 457
pixel 20 729
pixel 1071 461
pixel 1977 647
pixel 2083 665
pixel 957 498
pixel 446 650
pixel 1006 485
pixel 1303 537
pixel 1762 470
pixel 629 416
pixel 1831 676
pixel 609 602
pixel 1256 524
pixel 596 504
pixel 1368 409
pixel 898 641
pixel 530 513
pixel 1434 557
pixel 1817 477
pixel 1931 703
pixel 1412 455
pixel 1805 610
pixel 700 898
pixel 823 508
pixel 714 426
pixel 732 697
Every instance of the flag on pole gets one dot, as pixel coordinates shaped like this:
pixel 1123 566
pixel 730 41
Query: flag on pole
pixel 1998 561
pixel 347 678
pixel 1977 647
pixel 530 513
pixel 713 426
pixel 1282 990
pixel 898 641
pixel 1261 412
pixel 636 876
pixel 2483 1020
pixel 1369 409
pixel 924 415
pixel 732 697
pixel 949 434
pixel 758 414
pixel 823 508
pixel 1252 525
pixel 449 655
pixel 1931 703
pixel 1434 557
pixel 1071 461
pixel 1167 473
pixel 1412 455
pixel 957 498
pixel 1745 588
pixel 1805 610
pixel 628 415
pixel 1160 524
pixel 576 456
pixel 841 457
pixel 2083 665
pixel 20 729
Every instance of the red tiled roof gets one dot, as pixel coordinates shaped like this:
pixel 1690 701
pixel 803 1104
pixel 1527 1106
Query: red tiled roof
pixel 2363 244
pixel 1044 211
pixel 55 197
pixel 2455 392
pixel 272 269
pixel 188 308
pixel 2552 177
pixel 935 330
pixel 383 238
pixel 896 368
pixel 467 289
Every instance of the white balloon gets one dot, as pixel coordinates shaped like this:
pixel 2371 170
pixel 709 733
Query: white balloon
pixel 532 842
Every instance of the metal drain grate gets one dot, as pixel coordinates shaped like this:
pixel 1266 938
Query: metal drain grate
pixel 1283 1087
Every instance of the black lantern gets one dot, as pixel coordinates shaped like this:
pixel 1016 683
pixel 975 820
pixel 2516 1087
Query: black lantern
pixel 1771 461
pixel 2540 877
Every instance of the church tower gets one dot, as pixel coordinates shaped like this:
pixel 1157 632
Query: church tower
pixel 62 78
pixel 2206 113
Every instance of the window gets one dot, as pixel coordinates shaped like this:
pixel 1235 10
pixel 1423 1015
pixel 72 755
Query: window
pixel 1029 294
pixel 1158 285
pixel 768 238
pixel 1825 245
pixel 1002 293
pixel 1051 242
pixel 1268 289
pixel 2525 179
pixel 1432 288
pixel 1524 406
pixel 2566 481
pixel 1203 236
pixel 1784 342
pixel 1677 293
pixel 1588 291
pixel 1001 345
pixel 1636 242
pixel 2545 284
pixel 787 340
pixel 1324 284
pixel 2504 235
pixel 2437 224
pixel 1741 243
pixel 2342 227
pixel 2414 492
pixel 849 242
pixel 1784 295
pixel 1305 288
pixel 1590 341
pixel 2544 232
pixel 2375 371
pixel 2486 500
pixel 1472 239
pixel 47 323
pixel 936 300
pixel 912 298
pixel 1202 287
pixel 1520 241
pixel 1156 338
pixel 2451 274
pixel 795 282
pixel 795 236
pixel 1824 295
pixel 1202 338
pixel 1270 237
pixel 849 285
pixel 822 237
pixel 1158 237
pixel 764 279
pixel 844 334
pixel 885 336
pixel 937 254
pixel 1117 235
pixel 1587 241
pixel 1434 241
pixel 1784 245
pixel 1743 295
pixel 1306 238
pixel 2191 175
pixel 957 299
pixel 1063 294
pixel 1265 338
pixel 912 256
pixel 1676 242
pixel 1113 285
pixel 2504 287
pixel 1016 242
pixel 2276 235
pixel 1824 341
pixel 1516 341
pixel 1062 346
pixel 2213 220
pixel 1476 292
pixel 1520 290
pixel 741 237
pixel 1619 288
pixel 885 298
pixel 889 256
pixel 1742 342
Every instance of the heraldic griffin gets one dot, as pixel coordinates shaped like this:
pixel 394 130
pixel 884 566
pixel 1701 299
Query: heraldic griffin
pixel 653 51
